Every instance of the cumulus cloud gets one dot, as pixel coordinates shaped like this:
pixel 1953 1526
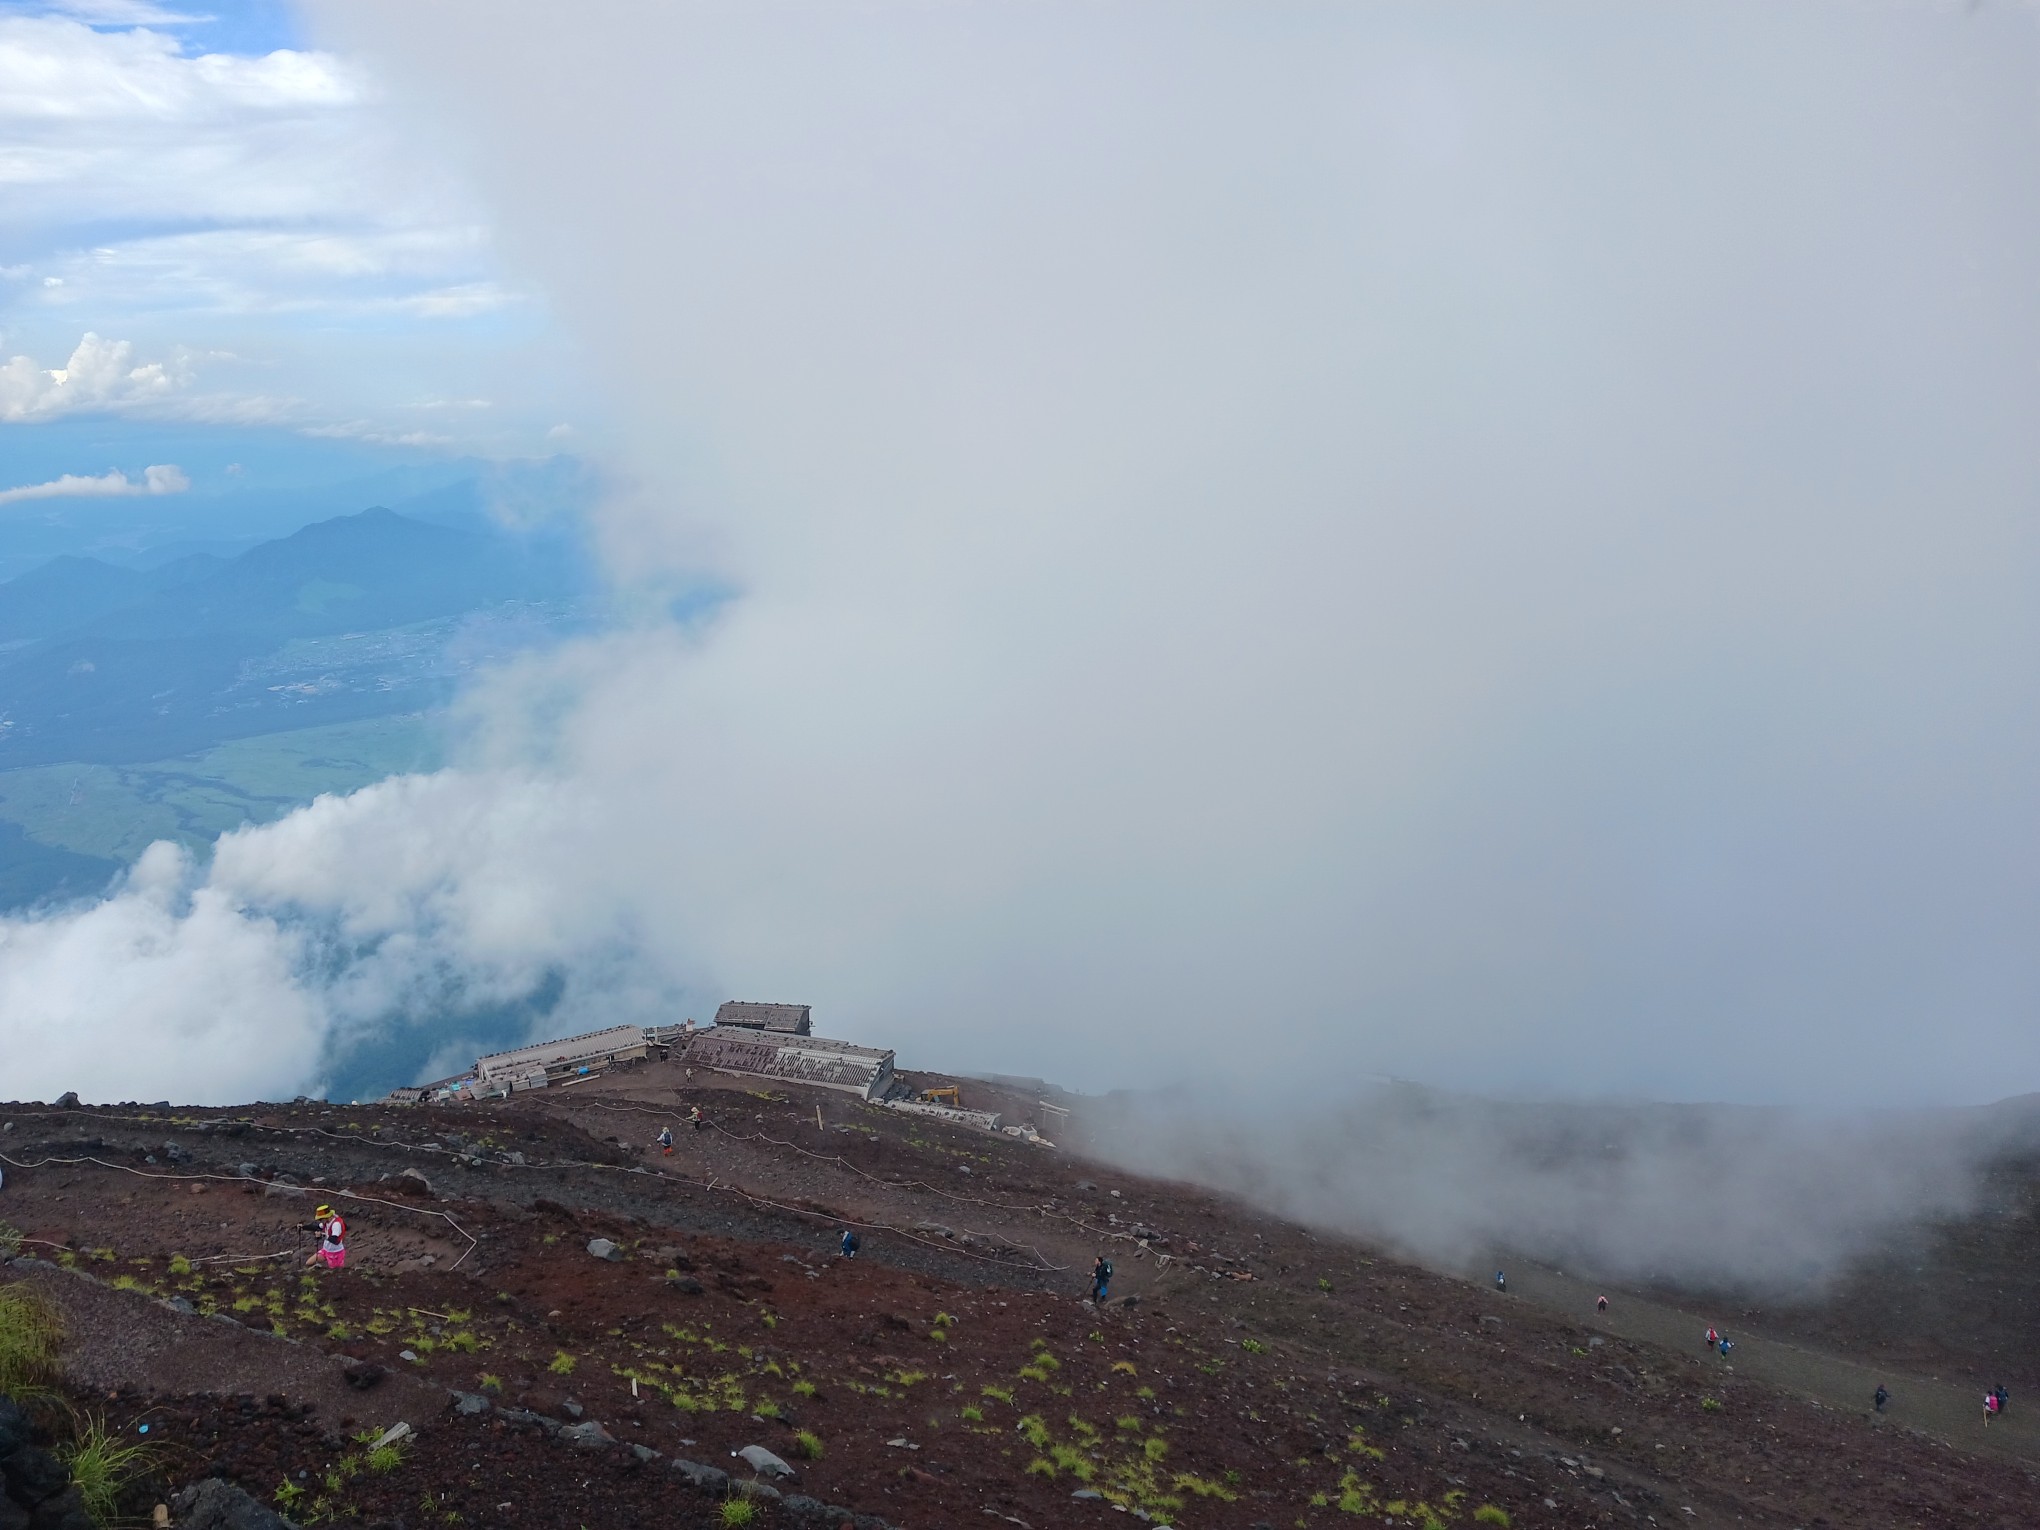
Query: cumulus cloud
pixel 100 375
pixel 164 478
pixel 352 920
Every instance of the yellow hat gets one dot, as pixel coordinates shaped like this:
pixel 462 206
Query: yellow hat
pixel 325 1211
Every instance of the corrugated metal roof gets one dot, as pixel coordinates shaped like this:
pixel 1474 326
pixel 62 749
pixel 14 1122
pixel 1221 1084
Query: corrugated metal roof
pixel 790 1019
pixel 568 1049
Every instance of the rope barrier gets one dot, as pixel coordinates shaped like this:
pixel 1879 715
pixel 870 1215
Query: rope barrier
pixel 243 1179
pixel 1045 1263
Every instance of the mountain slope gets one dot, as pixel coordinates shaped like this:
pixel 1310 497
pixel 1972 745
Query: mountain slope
pixel 343 619
pixel 72 591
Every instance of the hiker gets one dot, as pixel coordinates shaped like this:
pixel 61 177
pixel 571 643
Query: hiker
pixel 1501 1281
pixel 1725 1346
pixel 332 1249
pixel 696 1119
pixel 1883 1396
pixel 666 1141
pixel 1990 1407
pixel 850 1244
pixel 1101 1280
pixel 1713 1339
pixel 2002 1396
pixel 1600 1304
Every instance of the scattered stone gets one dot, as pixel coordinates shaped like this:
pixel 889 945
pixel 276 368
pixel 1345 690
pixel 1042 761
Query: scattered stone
pixel 752 1488
pixel 1088 1495
pixel 1085 1184
pixel 1596 1342
pixel 708 1479
pixel 902 1443
pixel 470 1403
pixel 282 1185
pixel 537 1420
pixel 645 1454
pixel 934 1228
pixel 800 1506
pixel 408 1354
pixel 602 1248
pixel 413 1179
pixel 181 1304
pixel 572 1409
pixel 516 1158
pixel 589 1435
pixel 687 1285
pixel 68 1100
pixel 216 1505
pixel 761 1460
pixel 1493 1322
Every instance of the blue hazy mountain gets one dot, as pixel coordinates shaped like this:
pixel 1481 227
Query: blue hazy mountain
pixel 69 591
pixel 358 616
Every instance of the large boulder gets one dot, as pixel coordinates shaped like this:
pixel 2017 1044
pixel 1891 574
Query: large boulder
pixel 14 1427
pixel 712 1480
pixel 33 1475
pixel 216 1505
pixel 66 1511
pixel 763 1462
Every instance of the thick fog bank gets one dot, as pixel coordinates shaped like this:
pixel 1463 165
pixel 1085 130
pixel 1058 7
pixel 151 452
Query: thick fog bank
pixel 1767 1201
pixel 1494 545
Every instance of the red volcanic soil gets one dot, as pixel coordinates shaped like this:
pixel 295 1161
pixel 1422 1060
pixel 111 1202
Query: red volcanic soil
pixel 1247 1372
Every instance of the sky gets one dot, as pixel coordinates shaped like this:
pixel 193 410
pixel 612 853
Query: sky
pixel 1292 543
pixel 208 221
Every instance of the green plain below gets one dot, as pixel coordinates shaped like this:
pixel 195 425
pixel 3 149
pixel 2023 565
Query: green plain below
pixel 114 812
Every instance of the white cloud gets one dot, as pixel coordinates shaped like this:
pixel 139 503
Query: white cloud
pixel 165 478
pixel 205 990
pixel 125 13
pixel 100 375
pixel 268 193
pixel 387 908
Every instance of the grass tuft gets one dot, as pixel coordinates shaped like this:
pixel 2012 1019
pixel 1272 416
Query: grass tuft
pixel 102 1465
pixel 808 1444
pixel 30 1335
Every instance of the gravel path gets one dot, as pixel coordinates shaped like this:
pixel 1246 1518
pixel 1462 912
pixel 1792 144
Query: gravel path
pixel 1949 1412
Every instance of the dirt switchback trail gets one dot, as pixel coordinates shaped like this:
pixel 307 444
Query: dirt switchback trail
pixel 1946 1410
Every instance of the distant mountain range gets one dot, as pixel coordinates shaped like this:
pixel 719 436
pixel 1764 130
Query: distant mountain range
pixel 346 618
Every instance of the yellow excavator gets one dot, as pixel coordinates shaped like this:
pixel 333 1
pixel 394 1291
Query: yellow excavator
pixel 950 1096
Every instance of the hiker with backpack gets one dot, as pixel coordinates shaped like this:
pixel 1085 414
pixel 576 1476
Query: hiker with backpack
pixel 1101 1280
